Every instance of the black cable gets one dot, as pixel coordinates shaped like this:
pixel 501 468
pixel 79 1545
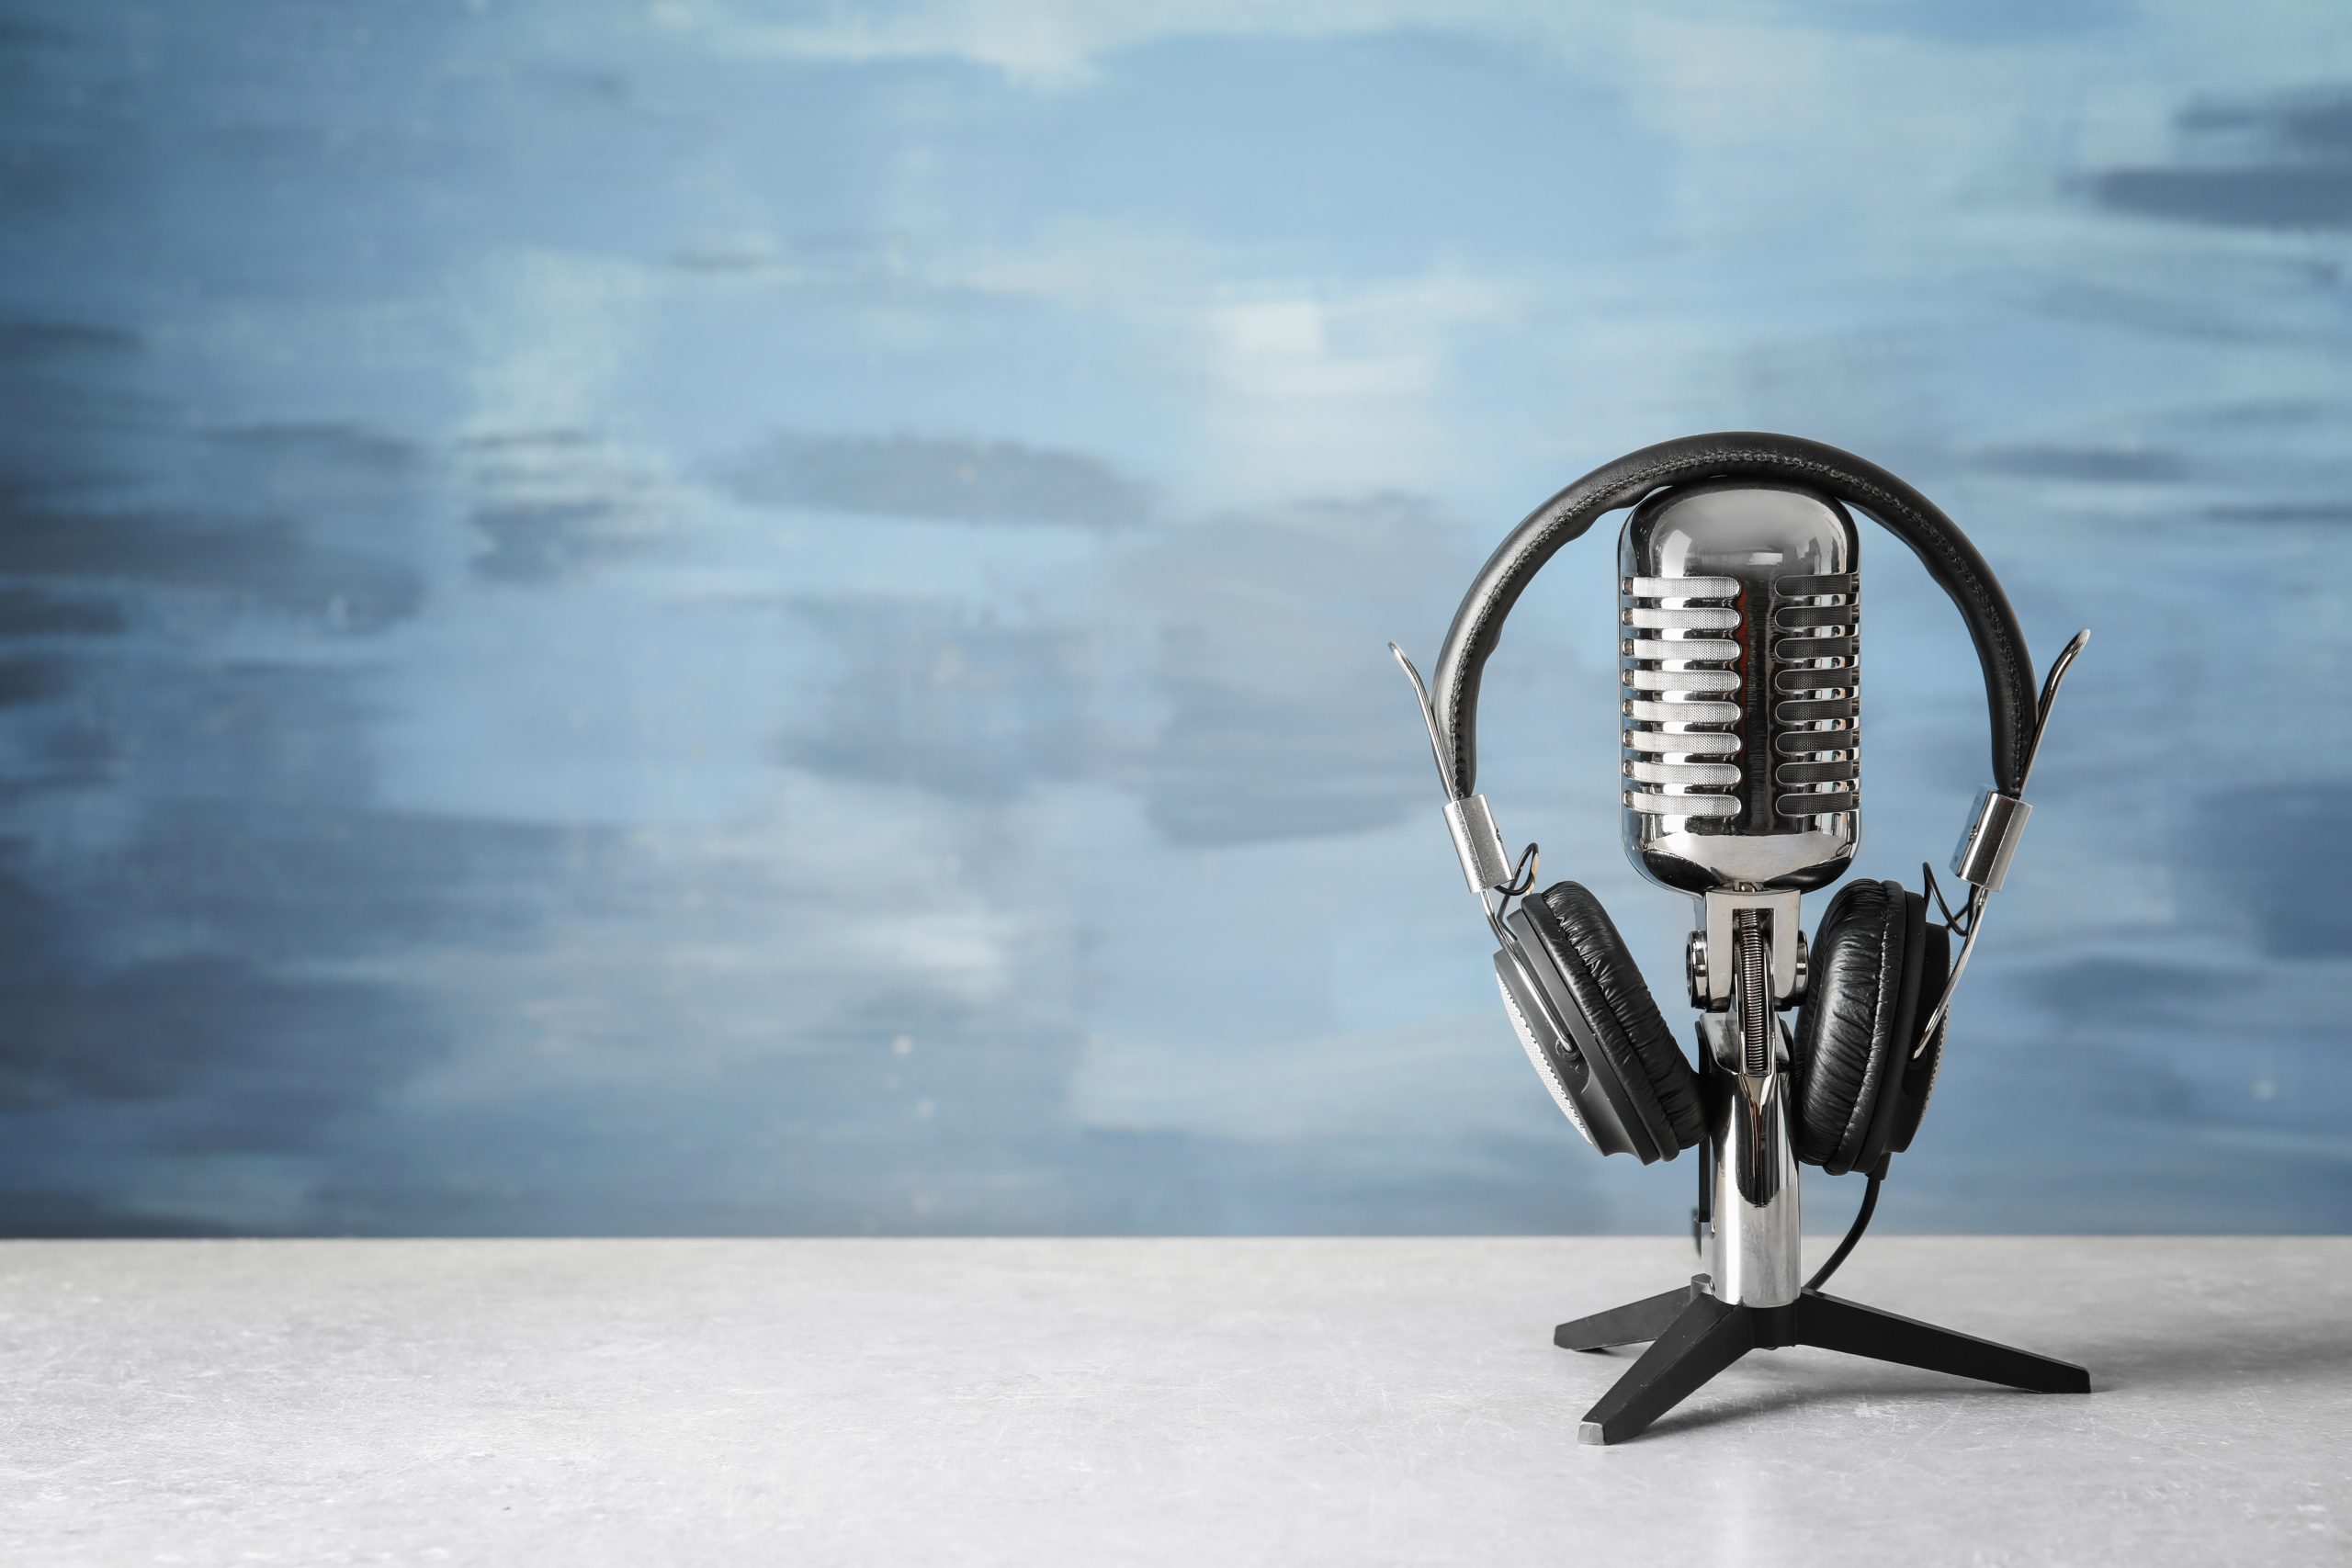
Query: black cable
pixel 1853 1232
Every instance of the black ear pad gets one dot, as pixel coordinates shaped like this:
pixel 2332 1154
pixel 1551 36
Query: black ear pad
pixel 1854 1019
pixel 1905 1097
pixel 1628 1034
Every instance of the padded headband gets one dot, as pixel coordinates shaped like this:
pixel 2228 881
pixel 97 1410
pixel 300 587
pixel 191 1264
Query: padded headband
pixel 1950 559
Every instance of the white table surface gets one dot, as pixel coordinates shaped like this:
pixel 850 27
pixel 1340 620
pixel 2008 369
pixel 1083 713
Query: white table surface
pixel 1177 1401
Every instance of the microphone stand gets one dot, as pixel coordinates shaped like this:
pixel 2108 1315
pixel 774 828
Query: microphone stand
pixel 1752 1298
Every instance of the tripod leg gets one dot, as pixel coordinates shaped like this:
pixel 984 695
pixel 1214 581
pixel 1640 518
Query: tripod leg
pixel 1702 1340
pixel 1837 1324
pixel 1632 1323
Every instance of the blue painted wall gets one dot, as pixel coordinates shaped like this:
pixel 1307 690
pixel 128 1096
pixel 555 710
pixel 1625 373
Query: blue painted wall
pixel 675 617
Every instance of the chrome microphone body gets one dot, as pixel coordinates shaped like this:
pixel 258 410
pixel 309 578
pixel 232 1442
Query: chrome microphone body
pixel 1742 788
pixel 1739 666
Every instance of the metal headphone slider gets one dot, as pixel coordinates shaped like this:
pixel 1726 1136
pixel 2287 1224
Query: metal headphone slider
pixel 1990 841
pixel 1486 864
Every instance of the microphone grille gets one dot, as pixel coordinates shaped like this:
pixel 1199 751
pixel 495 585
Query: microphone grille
pixel 1817 697
pixel 1680 655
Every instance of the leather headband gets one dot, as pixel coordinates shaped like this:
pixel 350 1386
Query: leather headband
pixel 1950 559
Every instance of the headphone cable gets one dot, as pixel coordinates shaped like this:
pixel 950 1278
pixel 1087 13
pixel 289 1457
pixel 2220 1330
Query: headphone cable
pixel 1853 1232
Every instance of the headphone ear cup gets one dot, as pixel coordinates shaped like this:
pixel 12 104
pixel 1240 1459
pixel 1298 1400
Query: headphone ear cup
pixel 1628 1032
pixel 1854 1016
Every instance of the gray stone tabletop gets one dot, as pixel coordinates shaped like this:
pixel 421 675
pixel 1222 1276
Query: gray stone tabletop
pixel 1148 1401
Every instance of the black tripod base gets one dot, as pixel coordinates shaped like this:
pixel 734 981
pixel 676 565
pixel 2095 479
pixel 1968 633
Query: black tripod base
pixel 1693 1337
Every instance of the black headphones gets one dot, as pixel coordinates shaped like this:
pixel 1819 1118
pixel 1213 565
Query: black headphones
pixel 1870 1033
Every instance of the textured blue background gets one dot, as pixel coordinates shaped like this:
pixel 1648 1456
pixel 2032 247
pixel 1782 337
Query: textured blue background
pixel 668 617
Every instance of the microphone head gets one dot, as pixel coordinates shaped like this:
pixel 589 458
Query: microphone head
pixel 1737 658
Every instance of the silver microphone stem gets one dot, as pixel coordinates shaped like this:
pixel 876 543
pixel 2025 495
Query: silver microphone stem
pixel 1758 1253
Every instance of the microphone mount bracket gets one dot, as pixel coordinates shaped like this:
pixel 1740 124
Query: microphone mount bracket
pixel 1711 983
